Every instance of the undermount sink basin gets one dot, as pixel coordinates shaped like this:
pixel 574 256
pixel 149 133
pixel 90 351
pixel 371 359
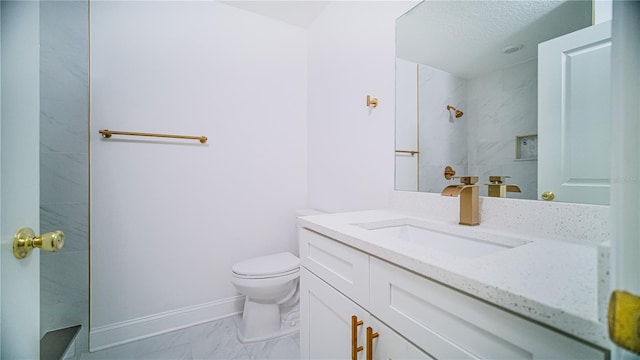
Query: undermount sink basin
pixel 448 243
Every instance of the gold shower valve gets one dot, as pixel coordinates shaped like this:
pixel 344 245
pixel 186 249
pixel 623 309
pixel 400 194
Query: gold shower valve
pixel 449 173
pixel 26 240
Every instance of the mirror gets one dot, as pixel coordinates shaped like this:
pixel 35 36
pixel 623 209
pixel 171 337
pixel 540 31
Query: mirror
pixel 467 89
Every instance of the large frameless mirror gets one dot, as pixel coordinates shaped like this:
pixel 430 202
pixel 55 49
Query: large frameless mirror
pixel 467 93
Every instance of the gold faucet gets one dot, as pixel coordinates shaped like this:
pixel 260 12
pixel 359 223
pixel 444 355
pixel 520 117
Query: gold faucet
pixel 498 189
pixel 468 192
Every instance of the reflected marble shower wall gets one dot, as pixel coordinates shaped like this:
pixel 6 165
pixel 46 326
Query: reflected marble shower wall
pixel 64 160
pixel 503 105
pixel 443 137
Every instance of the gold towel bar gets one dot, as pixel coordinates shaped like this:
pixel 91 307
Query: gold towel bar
pixel 412 152
pixel 107 134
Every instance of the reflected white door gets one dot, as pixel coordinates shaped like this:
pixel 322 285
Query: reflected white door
pixel 574 115
pixel 19 166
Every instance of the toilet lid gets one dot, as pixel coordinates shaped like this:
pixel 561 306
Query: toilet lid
pixel 267 265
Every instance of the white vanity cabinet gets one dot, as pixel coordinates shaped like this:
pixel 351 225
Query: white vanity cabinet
pixel 329 317
pixel 327 323
pixel 414 316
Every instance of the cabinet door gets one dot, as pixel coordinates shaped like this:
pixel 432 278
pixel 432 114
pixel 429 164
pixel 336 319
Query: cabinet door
pixel 325 320
pixel 451 325
pixel 389 345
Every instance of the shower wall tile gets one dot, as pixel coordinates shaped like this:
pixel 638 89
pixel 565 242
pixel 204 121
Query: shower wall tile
pixel 64 112
pixel 63 276
pixel 73 217
pixel 64 22
pixel 63 126
pixel 64 178
pixel 64 291
pixel 443 138
pixel 63 77
pixel 503 105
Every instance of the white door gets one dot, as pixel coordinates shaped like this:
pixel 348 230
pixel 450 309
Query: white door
pixel 625 192
pixel 19 166
pixel 574 115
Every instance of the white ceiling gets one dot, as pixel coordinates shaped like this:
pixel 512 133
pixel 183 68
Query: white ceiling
pixel 298 13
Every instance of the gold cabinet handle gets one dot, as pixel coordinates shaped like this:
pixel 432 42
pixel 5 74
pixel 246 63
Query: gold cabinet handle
pixel 370 336
pixel 548 196
pixel 26 240
pixel 355 349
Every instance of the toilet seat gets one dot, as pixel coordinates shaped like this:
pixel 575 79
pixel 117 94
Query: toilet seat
pixel 270 266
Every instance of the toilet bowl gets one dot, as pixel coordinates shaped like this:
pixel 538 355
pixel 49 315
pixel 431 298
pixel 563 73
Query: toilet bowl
pixel 270 284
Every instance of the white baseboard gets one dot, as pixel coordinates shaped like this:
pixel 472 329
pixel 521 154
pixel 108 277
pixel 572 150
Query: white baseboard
pixel 131 330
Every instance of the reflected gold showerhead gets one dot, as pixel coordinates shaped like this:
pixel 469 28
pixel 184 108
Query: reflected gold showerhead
pixel 458 113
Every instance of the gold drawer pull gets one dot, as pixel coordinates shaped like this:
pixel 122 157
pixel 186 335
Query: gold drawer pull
pixel 355 349
pixel 370 336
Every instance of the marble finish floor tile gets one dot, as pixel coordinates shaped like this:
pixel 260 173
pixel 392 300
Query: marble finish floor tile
pixel 212 340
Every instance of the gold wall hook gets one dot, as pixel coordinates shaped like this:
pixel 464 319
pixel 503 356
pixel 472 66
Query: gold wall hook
pixel 26 240
pixel 372 102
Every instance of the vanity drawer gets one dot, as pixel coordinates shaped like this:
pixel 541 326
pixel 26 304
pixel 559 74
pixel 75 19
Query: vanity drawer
pixel 343 267
pixel 448 324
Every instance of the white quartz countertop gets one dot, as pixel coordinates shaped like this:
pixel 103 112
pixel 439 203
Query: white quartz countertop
pixel 552 282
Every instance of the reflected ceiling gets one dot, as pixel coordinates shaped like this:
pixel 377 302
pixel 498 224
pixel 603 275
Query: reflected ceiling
pixel 467 38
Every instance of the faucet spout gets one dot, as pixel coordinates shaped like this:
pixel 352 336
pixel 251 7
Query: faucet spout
pixel 469 199
pixel 452 190
pixel 497 187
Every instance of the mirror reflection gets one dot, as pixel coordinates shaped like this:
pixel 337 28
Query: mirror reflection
pixel 467 90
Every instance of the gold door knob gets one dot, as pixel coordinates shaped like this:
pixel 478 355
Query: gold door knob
pixel 26 240
pixel 548 196
pixel 624 320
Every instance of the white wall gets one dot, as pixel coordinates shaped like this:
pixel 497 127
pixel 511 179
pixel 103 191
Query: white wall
pixel 170 217
pixel 351 146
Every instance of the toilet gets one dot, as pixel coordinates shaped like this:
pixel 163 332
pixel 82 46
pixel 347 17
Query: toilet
pixel 270 284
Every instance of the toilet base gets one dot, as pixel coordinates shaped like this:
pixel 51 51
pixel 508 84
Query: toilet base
pixel 262 321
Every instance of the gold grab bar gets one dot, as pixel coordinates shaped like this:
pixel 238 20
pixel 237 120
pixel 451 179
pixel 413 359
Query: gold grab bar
pixel 107 134
pixel 412 152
